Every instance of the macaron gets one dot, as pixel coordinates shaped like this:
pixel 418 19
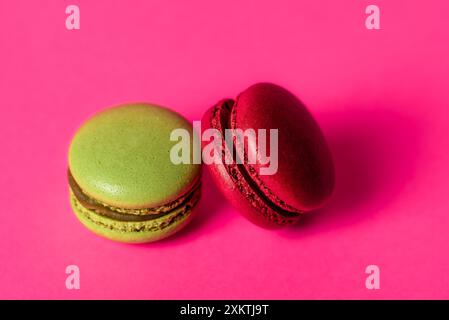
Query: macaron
pixel 123 184
pixel 304 175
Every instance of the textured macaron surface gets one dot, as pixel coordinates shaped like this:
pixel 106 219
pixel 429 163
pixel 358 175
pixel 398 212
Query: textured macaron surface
pixel 305 172
pixel 121 157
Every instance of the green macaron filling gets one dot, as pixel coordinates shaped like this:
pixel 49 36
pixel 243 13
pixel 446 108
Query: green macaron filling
pixel 188 199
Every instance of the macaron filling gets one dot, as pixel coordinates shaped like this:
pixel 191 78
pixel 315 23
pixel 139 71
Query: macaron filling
pixel 272 209
pixel 156 225
pixel 187 200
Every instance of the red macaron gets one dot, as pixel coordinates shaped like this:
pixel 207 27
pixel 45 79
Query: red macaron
pixel 303 177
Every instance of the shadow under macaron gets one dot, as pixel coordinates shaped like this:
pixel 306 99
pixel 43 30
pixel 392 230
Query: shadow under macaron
pixel 375 152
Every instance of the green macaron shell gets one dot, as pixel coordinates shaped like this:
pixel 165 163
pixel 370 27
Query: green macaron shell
pixel 121 157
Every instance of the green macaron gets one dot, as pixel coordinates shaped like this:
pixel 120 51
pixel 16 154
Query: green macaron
pixel 123 184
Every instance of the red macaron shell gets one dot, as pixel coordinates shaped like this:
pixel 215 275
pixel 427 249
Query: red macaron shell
pixel 235 187
pixel 305 175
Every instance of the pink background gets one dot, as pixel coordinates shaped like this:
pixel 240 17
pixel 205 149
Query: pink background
pixel 381 97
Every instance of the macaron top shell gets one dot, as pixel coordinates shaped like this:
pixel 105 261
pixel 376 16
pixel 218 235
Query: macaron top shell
pixel 305 173
pixel 121 157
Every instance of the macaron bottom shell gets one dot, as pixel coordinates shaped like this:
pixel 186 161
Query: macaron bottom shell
pixel 132 232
